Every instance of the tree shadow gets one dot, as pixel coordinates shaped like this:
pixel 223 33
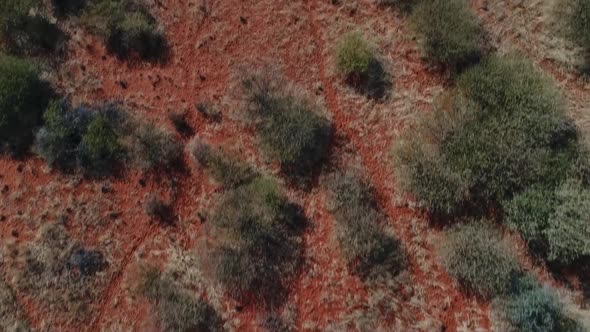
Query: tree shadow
pixel 374 84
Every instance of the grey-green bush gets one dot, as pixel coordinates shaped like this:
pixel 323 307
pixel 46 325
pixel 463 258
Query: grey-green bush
pixel 477 256
pixel 578 23
pixel 155 148
pixel 360 229
pixel 451 34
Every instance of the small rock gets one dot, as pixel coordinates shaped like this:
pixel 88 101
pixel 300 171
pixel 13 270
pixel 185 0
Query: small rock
pixel 14 233
pixel 142 182
pixel 243 20
pixel 20 168
pixel 5 189
pixel 2 218
pixel 123 84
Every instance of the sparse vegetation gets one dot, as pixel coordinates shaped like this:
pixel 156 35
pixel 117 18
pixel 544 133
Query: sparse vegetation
pixel 228 170
pixel 260 246
pixel 360 227
pixel 23 98
pixel 451 34
pixel 59 272
pixel 404 5
pixel 178 309
pixel 477 256
pixel 291 130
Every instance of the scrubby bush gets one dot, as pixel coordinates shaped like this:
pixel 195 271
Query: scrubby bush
pixel 177 308
pixel 260 245
pixel 291 130
pixel 506 132
pixel 155 148
pixel 100 149
pixel 128 28
pixel 138 34
pixel 160 210
pixel 354 54
pixel 228 170
pixel 451 34
pixel 23 98
pixel 477 256
pixel 536 308
pixel 368 250
pixel 27 34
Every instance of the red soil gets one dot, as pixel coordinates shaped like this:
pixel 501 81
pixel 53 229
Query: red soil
pixel 206 50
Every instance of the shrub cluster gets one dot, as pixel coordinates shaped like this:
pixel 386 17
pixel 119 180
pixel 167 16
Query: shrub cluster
pixel 451 34
pixel 368 250
pixel 260 248
pixel 177 308
pixel 128 29
pixel 476 255
pixel 27 34
pixel 228 170
pixel 291 131
pixel 23 98
pixel 578 23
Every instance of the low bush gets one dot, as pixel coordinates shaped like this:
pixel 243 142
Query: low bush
pixel 155 148
pixel 178 309
pixel 477 256
pixel 27 34
pixel 368 250
pixel 535 308
pixel 260 247
pixel 291 131
pixel 23 98
pixel 228 170
pixel 451 34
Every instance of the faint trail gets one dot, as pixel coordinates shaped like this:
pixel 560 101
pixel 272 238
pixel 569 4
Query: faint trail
pixel 433 295
pixel 115 284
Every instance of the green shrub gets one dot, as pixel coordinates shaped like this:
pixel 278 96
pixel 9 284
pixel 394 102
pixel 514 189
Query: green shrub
pixel 451 34
pixel 26 34
pixel 354 54
pixel 100 149
pixel 502 132
pixel 534 308
pixel 155 148
pixel 178 309
pixel 368 250
pixel 260 249
pixel 292 133
pixel 228 170
pixel 23 98
pixel 477 256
